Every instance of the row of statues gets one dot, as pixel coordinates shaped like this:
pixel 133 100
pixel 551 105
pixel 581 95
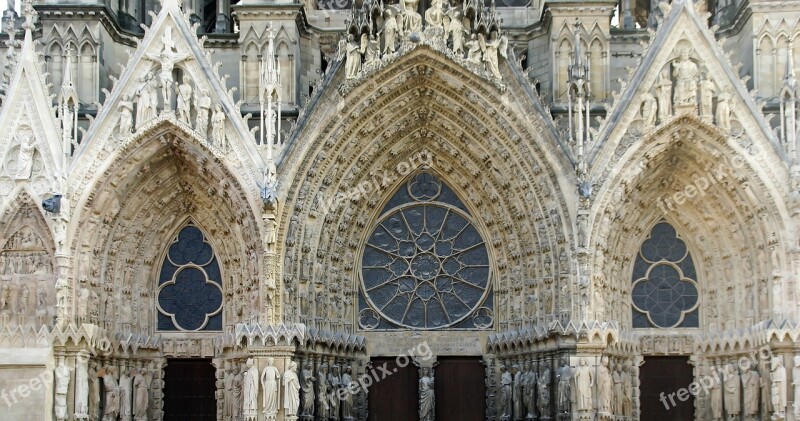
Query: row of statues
pixel 526 393
pixel 443 22
pixel 690 89
pixel 328 393
pixel 242 385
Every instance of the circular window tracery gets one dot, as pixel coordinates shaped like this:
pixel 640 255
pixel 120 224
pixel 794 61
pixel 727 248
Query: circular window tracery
pixel 425 266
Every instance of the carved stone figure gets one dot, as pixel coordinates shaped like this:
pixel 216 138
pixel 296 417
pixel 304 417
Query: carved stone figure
pixel 323 409
pixel 604 386
pixel 516 395
pixel 371 51
pixel 22 304
pixel 664 96
pixel 491 50
pixel 125 111
pixel 685 73
pixel 347 403
pixel 307 388
pixel 435 14
pixel 94 391
pixel 543 390
pixel 584 386
pixel 627 397
pixel 334 383
pixel 778 387
pixel 270 389
pixel 291 387
pixel 168 58
pixel 229 403
pixel 141 395
pixel 147 105
pixel 724 111
pixel 563 378
pixel 125 396
pixel 707 89
pixel 412 20
pixel 456 32
pixel 618 390
pixel 352 58
pixel 82 387
pixel 250 391
pixel 649 109
pixel 426 396
pixel 528 390
pixel 62 388
pixel 112 394
pixel 185 101
pixel 390 29
pixel 751 381
pixel 506 392
pixel 202 103
pixel 238 392
pixel 733 391
pixel 27 147
pixel 796 384
pixel 716 400
pixel 218 128
pixel 474 55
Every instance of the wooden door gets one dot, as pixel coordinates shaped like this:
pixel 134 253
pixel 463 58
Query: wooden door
pixel 660 377
pixel 189 391
pixel 460 389
pixel 395 396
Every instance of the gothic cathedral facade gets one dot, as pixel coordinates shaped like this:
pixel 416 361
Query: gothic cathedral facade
pixel 399 210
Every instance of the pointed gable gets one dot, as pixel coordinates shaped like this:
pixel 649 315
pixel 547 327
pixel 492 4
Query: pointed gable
pixel 30 135
pixel 138 96
pixel 683 71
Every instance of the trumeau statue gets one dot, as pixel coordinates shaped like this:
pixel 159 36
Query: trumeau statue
pixel 584 386
pixel 778 387
pixel 269 383
pixel 426 396
pixel 291 387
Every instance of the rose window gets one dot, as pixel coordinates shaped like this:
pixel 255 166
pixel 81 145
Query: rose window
pixel 425 265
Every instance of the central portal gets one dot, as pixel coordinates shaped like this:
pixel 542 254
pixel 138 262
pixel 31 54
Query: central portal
pixel 189 390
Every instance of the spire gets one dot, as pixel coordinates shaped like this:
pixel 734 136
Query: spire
pixel 789 107
pixel 68 108
pixel 270 95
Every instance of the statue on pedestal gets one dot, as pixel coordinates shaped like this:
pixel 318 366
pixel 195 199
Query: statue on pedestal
pixel 426 396
pixel 271 391
pixel 250 391
pixel 778 388
pixel 291 387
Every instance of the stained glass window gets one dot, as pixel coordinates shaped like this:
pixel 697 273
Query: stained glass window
pixel 190 285
pixel 425 265
pixel 664 292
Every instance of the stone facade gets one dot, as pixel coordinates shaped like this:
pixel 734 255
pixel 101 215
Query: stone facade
pixel 288 191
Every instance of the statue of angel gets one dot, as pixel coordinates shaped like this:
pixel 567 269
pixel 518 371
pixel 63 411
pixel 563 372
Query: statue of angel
pixel 491 49
pixel 370 48
pixel 474 50
pixel 392 23
pixel 352 57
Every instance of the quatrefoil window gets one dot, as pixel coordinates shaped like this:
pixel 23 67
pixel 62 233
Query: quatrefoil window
pixel 425 265
pixel 190 285
pixel 664 293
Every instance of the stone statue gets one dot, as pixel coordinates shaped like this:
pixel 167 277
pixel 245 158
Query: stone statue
pixel 716 400
pixel 83 304
pixel 752 384
pixel 663 94
pixel 168 58
pixel 82 387
pixel 796 384
pixel 270 389
pixel 516 395
pixel 604 386
pixel 347 403
pixel 491 49
pixel 455 30
pixel 147 105
pixel 22 304
pixel 323 409
pixel 435 14
pixel 649 109
pixel 528 390
pixel 506 385
pixel 426 396
pixel 202 103
pixel 334 383
pixel 627 397
pixel 685 73
pixel 112 394
pixel 291 387
pixel 563 379
pixel 707 89
pixel 778 387
pixel 94 391
pixel 218 128
pixel 412 20
pixel 352 58
pixel 141 395
pixel 618 390
pixel 125 111
pixel 250 391
pixel 543 390
pixel 371 51
pixel 584 386
pixel 125 396
pixel 238 392
pixel 473 50
pixel 62 388
pixel 27 147
pixel 185 101
pixel 724 111
pixel 390 29
pixel 733 391
pixel 307 388
pixel 230 402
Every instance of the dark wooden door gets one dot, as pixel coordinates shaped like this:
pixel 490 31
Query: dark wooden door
pixel 189 391
pixel 661 379
pixel 394 397
pixel 460 389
